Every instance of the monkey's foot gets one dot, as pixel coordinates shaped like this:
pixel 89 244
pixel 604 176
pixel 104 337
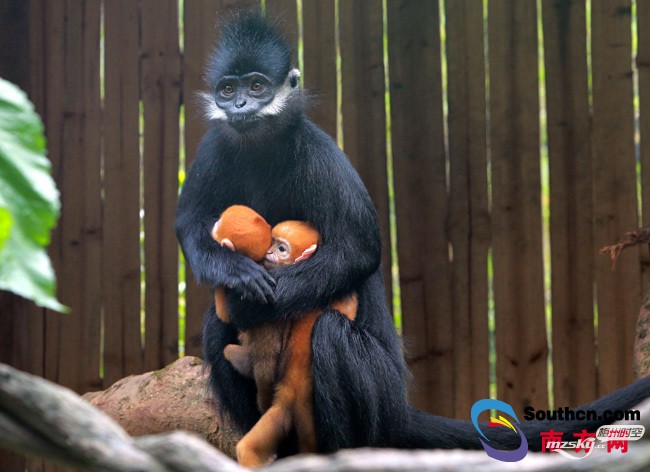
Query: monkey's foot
pixel 250 456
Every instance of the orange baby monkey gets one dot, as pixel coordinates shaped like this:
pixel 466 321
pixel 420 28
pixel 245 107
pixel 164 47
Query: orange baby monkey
pixel 243 230
pixel 277 350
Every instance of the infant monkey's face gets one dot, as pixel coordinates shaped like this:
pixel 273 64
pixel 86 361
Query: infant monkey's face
pixel 279 254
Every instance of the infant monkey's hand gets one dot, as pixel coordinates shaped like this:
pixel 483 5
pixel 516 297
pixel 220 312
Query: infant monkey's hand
pixel 239 357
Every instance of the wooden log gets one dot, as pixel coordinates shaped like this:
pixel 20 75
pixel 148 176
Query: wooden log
pixel 82 433
pixel 180 451
pixel 42 418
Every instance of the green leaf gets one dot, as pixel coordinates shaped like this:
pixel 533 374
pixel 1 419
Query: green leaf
pixel 6 221
pixel 29 199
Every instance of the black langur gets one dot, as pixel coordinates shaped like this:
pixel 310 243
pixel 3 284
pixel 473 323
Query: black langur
pixel 261 151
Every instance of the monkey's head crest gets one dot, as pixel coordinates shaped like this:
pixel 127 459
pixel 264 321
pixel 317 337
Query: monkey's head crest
pixel 250 42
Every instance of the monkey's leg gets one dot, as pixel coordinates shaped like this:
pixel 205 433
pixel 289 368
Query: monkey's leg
pixel 260 444
pixel 265 388
pixel 265 343
pixel 347 306
pixel 304 419
pixel 296 388
pixel 240 359
pixel 220 304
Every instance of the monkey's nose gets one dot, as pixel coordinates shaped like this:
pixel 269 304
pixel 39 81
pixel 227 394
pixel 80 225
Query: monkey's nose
pixel 240 103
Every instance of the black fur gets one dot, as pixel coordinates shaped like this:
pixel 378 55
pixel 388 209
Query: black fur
pixel 250 44
pixel 287 168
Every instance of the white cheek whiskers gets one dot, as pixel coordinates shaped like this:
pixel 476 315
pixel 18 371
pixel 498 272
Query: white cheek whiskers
pixel 212 112
pixel 277 105
pixel 210 109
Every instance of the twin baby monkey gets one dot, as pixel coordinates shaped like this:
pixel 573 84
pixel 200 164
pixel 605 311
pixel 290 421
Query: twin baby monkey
pixel 277 355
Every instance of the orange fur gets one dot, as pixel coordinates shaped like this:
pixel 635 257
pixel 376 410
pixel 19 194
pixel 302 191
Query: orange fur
pixel 261 352
pixel 347 306
pixel 220 304
pixel 293 401
pixel 250 235
pixel 292 404
pixel 299 234
pixel 246 229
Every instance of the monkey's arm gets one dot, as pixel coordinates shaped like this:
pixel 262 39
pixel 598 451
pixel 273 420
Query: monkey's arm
pixel 199 206
pixel 337 268
pixel 350 251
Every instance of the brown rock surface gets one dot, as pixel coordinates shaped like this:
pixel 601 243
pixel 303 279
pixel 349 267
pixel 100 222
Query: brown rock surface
pixel 173 398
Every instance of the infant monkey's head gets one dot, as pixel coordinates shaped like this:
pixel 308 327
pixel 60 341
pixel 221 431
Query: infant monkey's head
pixel 243 230
pixel 292 241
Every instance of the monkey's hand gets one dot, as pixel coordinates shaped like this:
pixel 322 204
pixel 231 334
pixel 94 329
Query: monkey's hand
pixel 239 357
pixel 250 280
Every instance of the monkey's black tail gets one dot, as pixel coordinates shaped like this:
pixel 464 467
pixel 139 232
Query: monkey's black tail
pixel 426 431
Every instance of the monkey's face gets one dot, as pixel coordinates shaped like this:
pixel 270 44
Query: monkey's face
pixel 254 90
pixel 242 98
pixel 279 254
pixel 245 100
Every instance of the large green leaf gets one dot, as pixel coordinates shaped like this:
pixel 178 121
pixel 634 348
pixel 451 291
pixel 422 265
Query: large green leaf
pixel 29 201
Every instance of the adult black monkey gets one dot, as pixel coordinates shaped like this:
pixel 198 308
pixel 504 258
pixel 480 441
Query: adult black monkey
pixel 261 151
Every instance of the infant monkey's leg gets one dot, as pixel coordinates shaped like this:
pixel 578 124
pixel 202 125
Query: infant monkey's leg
pixel 347 306
pixel 295 389
pixel 260 444
pixel 221 305
pixel 266 342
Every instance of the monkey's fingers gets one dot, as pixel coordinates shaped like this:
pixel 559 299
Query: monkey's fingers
pixel 262 290
pixel 246 293
pixel 262 283
pixel 255 287
pixel 270 279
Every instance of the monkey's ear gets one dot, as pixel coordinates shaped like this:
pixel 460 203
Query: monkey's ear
pixel 228 243
pixel 294 76
pixel 215 228
pixel 307 253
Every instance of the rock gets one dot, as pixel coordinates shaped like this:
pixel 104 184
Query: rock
pixel 170 399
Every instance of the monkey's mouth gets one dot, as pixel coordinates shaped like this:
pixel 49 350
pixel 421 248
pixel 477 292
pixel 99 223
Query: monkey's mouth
pixel 243 122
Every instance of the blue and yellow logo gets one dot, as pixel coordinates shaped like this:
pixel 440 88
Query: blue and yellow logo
pixel 504 456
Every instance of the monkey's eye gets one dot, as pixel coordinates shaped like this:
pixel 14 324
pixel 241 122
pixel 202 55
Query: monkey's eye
pixel 282 248
pixel 228 89
pixel 257 86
